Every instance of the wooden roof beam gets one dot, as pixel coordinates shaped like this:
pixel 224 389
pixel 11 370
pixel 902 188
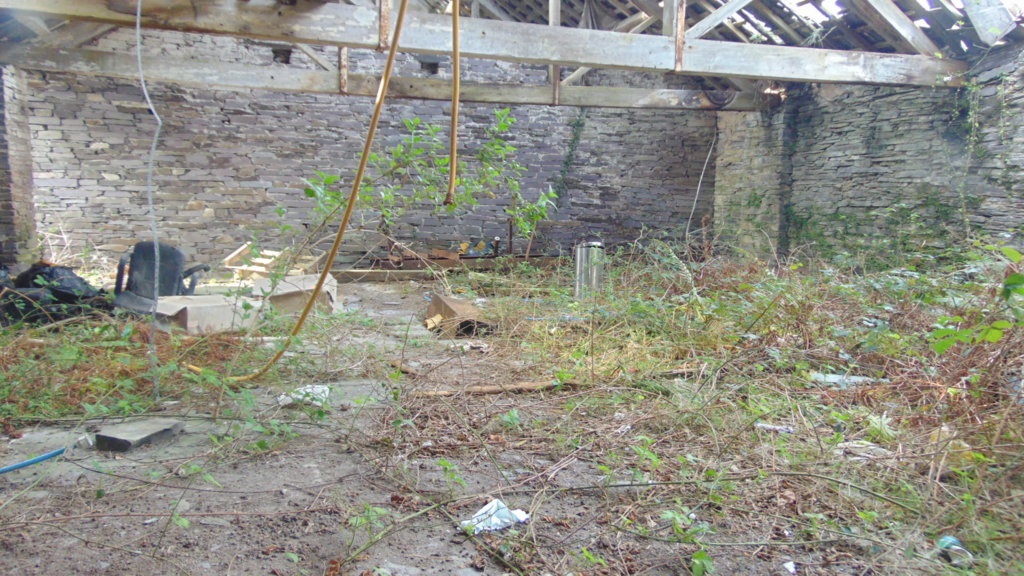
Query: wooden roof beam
pixel 894 25
pixel 354 26
pixel 711 21
pixel 494 9
pixel 218 75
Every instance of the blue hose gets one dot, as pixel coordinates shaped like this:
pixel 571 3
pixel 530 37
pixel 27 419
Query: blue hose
pixel 32 461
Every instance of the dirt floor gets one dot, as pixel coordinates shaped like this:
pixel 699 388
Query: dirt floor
pixel 378 484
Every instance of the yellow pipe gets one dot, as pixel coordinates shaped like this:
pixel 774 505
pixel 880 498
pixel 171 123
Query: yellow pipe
pixel 353 195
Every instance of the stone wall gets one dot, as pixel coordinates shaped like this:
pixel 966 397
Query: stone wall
pixel 843 169
pixel 8 246
pixel 17 223
pixel 753 180
pixel 229 164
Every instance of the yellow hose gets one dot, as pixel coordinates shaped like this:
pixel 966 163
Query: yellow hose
pixel 356 185
pixel 454 146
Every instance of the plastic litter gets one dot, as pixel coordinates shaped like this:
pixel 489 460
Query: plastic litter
pixel 315 394
pixel 775 428
pixel 844 381
pixel 952 550
pixel 495 515
pixel 790 567
pixel 469 345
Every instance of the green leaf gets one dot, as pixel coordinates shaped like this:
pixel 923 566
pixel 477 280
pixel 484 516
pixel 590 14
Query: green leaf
pixel 181 521
pixel 990 334
pixel 1014 284
pixel 1012 254
pixel 700 564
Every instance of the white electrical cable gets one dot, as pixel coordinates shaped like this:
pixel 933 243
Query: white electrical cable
pixel 700 181
pixel 150 205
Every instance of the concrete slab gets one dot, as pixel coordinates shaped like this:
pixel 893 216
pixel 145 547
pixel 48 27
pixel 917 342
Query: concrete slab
pixel 124 437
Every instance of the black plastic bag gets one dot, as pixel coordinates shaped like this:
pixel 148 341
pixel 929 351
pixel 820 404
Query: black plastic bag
pixel 62 281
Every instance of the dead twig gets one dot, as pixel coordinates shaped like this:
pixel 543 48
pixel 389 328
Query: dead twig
pixel 497 388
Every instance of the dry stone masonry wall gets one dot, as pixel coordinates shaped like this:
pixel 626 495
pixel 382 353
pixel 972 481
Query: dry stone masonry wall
pixel 232 164
pixel 840 168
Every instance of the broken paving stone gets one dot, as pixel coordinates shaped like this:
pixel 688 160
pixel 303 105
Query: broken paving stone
pixel 124 437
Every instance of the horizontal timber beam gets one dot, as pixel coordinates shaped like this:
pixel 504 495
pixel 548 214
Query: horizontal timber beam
pixel 217 75
pixel 311 22
pixel 788 63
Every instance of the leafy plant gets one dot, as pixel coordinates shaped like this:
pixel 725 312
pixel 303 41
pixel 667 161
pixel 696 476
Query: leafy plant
pixel 511 419
pixel 977 325
pixel 701 564
pixel 452 476
pixel 592 558
pixel 526 215
pixel 415 171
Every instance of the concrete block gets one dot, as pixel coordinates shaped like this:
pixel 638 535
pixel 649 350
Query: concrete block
pixel 124 437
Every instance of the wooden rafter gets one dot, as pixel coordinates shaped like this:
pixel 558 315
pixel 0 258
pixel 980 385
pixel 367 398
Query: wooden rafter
pixel 895 26
pixel 717 17
pixel 342 25
pixel 494 9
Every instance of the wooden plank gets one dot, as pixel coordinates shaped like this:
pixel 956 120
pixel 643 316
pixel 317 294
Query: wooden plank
pixel 33 23
pixel 715 18
pixel 992 19
pixel 583 96
pixel 495 10
pixel 338 24
pixel 237 76
pixel 680 36
pixel 649 7
pixel 888 20
pixel 670 11
pixel 764 13
pixel 625 25
pixel 795 64
pixel 315 57
pixel 74 34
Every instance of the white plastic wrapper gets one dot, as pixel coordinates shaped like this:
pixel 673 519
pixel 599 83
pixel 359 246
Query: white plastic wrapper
pixel 495 515
pixel 314 394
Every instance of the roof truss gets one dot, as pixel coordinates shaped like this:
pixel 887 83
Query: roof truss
pixel 358 26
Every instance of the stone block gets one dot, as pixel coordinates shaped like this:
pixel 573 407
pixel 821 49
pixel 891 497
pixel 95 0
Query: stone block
pixel 135 433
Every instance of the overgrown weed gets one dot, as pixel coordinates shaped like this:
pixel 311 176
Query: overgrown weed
pixel 801 408
pixel 709 415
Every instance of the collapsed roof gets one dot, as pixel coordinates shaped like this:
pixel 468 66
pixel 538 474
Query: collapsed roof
pixel 733 47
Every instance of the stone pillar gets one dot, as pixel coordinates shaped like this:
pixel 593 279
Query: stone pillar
pixel 753 182
pixel 17 208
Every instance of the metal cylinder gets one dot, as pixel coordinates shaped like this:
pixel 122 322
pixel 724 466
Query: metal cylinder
pixel 589 268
